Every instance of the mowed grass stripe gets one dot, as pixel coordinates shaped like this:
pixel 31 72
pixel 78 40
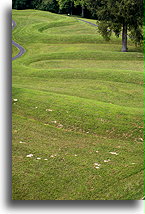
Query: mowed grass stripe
pixel 80 114
pixel 89 90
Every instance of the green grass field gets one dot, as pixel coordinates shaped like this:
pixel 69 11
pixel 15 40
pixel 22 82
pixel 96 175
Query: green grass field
pixel 78 108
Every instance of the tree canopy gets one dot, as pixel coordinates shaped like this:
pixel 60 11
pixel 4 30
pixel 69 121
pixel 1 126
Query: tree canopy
pixel 119 15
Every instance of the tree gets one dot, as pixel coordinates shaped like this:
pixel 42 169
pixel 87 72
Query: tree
pixel 82 3
pixel 46 5
pixel 21 4
pixel 119 15
pixel 66 6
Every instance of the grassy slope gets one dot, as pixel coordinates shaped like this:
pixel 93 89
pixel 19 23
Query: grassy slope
pixel 14 51
pixel 76 95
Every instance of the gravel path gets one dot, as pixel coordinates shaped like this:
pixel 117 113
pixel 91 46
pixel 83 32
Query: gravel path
pixel 21 49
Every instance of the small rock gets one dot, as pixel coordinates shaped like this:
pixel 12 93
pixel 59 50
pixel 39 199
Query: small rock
pixel 54 121
pixel 97 164
pixel 106 160
pixel 113 153
pixel 38 158
pixel 15 100
pixel 49 110
pixel 21 142
pixel 29 156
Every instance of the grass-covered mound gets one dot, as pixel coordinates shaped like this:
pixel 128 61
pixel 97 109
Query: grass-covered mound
pixel 15 51
pixel 78 109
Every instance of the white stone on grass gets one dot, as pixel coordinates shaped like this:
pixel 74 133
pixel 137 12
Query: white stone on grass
pixel 113 153
pixel 54 121
pixel 38 158
pixel 97 164
pixel 53 156
pixel 105 161
pixel 45 159
pixel 15 100
pixel 50 110
pixel 29 156
pixel 21 142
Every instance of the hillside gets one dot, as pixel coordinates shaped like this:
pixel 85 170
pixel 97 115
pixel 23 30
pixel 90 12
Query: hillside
pixel 79 111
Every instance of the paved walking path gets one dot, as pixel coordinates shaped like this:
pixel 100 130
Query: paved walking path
pixel 88 22
pixel 21 49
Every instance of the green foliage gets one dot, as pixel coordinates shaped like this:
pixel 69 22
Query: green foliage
pixel 48 5
pixel 65 5
pixel 117 13
pixel 104 29
pixel 136 35
pixel 75 7
pixel 22 4
pixel 79 2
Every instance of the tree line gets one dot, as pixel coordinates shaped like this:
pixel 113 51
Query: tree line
pixel 72 7
pixel 123 17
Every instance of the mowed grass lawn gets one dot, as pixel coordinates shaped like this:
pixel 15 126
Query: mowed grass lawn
pixel 78 109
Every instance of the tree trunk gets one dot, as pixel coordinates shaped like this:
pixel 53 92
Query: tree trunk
pixel 71 10
pixel 83 11
pixel 124 38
